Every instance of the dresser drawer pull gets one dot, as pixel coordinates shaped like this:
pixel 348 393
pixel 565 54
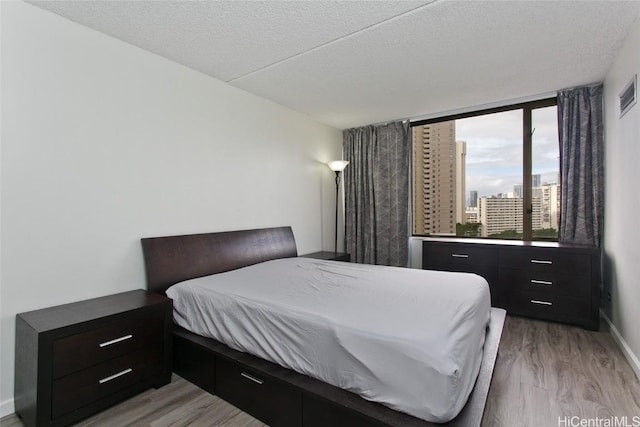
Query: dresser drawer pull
pixel 535 301
pixel 460 256
pixel 117 340
pixel 541 282
pixel 540 261
pixel 114 376
pixel 252 378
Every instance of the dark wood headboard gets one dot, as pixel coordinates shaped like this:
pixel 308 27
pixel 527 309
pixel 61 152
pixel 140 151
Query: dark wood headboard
pixel 172 259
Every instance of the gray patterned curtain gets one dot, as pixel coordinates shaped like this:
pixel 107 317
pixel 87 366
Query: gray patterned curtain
pixel 581 133
pixel 377 193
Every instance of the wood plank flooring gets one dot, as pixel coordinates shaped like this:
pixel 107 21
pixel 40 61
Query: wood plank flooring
pixel 544 371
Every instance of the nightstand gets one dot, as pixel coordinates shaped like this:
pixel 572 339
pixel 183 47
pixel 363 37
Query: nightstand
pixel 77 359
pixel 329 256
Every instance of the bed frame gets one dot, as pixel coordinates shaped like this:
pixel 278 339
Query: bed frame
pixel 271 393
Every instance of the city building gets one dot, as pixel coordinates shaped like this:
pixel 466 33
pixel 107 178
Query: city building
pixel 535 180
pixel 498 214
pixel 435 179
pixel 473 199
pixel 471 214
pixel 461 158
pixel 517 191
pixel 549 205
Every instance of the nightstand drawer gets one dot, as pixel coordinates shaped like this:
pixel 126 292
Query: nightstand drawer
pixel 118 337
pixel 538 259
pixel 545 281
pixel 266 399
pixel 89 385
pixel 442 255
pixel 552 307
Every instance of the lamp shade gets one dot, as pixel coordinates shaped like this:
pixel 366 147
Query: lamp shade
pixel 337 165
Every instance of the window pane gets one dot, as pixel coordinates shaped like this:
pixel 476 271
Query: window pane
pixel 545 166
pixel 468 177
pixel 494 172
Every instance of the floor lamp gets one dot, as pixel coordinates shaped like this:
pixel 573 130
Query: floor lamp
pixel 337 166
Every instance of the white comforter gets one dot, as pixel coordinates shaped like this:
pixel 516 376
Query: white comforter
pixel 409 339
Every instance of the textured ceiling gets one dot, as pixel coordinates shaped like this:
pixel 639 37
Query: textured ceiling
pixel 350 63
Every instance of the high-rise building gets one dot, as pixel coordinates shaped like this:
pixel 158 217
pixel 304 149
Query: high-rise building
pixel 498 214
pixel 549 205
pixel 471 214
pixel 517 191
pixel 434 178
pixel 473 199
pixel 461 159
pixel 535 181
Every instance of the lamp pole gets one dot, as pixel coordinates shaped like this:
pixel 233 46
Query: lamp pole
pixel 337 193
pixel 337 166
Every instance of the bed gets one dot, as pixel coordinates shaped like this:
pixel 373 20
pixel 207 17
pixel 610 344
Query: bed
pixel 275 394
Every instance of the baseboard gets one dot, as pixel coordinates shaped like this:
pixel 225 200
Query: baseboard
pixel 626 350
pixel 7 408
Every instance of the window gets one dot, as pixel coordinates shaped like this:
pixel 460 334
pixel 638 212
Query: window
pixel 489 174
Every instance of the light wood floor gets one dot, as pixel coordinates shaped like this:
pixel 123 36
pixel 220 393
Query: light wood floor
pixel 544 371
pixel 547 370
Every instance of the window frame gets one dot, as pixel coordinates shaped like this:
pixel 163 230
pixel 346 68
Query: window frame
pixel 527 159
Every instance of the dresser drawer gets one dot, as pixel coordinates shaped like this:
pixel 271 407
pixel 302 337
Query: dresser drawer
pixel 89 385
pixel 478 259
pixel 549 282
pixel 539 259
pixel 120 336
pixel 552 307
pixel 443 255
pixel 265 399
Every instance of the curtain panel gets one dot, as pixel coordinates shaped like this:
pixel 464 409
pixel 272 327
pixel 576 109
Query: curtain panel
pixel 377 193
pixel 581 134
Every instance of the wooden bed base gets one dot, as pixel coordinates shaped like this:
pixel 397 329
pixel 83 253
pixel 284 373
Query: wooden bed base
pixel 273 394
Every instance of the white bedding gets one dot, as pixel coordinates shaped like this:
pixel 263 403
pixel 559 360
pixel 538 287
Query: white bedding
pixel 409 339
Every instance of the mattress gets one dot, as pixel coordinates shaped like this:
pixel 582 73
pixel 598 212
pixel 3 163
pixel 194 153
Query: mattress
pixel 409 339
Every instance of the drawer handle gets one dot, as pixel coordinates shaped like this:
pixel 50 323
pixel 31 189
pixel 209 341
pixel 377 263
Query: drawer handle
pixel 539 261
pixel 114 376
pixel 460 256
pixel 117 340
pixel 535 301
pixel 252 378
pixel 541 282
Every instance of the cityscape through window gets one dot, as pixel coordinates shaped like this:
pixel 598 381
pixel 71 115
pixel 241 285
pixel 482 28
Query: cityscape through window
pixel 481 176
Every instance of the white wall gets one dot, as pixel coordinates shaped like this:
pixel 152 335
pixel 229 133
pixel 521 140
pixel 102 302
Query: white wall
pixel 104 143
pixel 622 203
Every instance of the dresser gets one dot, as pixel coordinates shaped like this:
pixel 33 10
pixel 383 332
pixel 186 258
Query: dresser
pixel 77 359
pixel 544 280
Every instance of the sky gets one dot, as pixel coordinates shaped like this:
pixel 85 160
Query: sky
pixel 494 149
